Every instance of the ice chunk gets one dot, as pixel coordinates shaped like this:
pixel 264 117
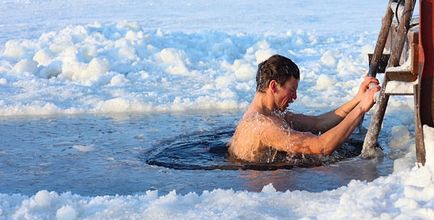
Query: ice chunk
pixel 174 60
pixel 43 57
pixel 328 59
pixel 25 66
pixel 66 213
pixel 324 82
pixel 84 148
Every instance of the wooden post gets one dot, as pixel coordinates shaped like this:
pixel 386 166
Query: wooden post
pixel 379 48
pixel 381 41
pixel 425 91
pixel 420 145
pixel 370 142
pixel 404 25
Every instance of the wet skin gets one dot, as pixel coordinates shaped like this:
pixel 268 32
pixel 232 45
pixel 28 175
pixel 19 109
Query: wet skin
pixel 266 123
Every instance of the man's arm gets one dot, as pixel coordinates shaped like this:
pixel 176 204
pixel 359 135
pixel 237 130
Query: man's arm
pixel 306 143
pixel 324 122
pixel 320 123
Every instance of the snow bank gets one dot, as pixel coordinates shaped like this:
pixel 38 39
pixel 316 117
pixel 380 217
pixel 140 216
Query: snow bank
pixel 428 133
pixel 407 195
pixel 127 66
pixel 123 67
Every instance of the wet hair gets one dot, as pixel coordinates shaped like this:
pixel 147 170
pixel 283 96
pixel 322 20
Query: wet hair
pixel 277 68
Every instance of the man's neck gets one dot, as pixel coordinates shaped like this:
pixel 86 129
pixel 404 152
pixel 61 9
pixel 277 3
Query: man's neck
pixel 263 103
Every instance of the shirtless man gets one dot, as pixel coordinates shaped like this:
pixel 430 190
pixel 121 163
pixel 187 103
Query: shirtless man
pixel 267 125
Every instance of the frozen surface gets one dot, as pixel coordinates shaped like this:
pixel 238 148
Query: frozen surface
pixel 30 18
pixel 399 87
pixel 100 57
pixel 146 56
pixel 120 67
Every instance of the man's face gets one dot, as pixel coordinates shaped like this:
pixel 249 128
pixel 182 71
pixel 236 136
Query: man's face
pixel 286 93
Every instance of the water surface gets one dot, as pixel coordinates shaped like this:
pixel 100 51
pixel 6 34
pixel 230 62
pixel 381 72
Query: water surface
pixel 106 155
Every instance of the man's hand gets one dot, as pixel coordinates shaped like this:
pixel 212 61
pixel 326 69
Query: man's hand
pixel 364 86
pixel 367 100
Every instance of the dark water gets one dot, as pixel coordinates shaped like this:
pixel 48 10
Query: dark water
pixel 108 154
pixel 209 151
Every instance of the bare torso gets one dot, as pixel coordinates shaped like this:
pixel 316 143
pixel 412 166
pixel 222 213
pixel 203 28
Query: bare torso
pixel 246 143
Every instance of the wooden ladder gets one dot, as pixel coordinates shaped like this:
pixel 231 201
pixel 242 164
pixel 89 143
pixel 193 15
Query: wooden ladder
pixel 393 75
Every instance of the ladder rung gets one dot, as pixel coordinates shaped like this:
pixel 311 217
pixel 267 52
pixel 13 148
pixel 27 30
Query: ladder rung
pixel 400 75
pixel 400 88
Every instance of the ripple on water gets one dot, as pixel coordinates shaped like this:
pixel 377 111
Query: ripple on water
pixel 208 151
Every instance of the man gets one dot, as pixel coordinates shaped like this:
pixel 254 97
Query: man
pixel 266 126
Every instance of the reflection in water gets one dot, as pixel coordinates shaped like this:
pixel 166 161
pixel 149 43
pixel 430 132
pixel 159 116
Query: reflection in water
pixel 208 151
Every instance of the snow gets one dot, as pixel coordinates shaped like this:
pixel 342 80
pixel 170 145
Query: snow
pixel 324 82
pixel 328 58
pixel 66 213
pixel 407 195
pixel 400 87
pixel 403 148
pixel 428 133
pixel 406 66
pixel 181 55
pixel 122 67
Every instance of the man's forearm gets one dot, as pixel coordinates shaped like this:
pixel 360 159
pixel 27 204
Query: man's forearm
pixel 335 136
pixel 330 119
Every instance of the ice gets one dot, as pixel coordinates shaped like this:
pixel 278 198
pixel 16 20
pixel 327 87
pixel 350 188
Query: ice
pixel 328 58
pixel 399 87
pixel 43 57
pixel 43 199
pixel 178 56
pixel 406 66
pixel 122 67
pixel 243 71
pixel 25 66
pixel 400 137
pixel 429 145
pixel 66 213
pixel 407 195
pixel 84 148
pixel 324 82
pixel 53 69
pixel 346 67
pixel 174 61
pixel 118 80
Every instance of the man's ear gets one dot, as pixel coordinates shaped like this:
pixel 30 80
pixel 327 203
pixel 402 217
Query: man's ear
pixel 273 86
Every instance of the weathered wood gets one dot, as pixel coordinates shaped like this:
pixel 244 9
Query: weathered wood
pixel 413 39
pixel 371 137
pixel 404 76
pixel 397 9
pixel 382 62
pixel 393 34
pixel 381 41
pixel 404 25
pixel 379 48
pixel 420 145
pixel 377 119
